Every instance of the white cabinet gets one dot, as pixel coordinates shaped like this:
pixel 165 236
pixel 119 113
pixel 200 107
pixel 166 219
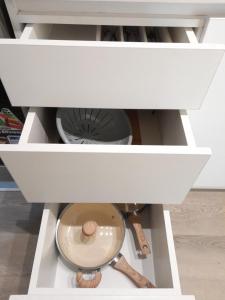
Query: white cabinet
pixel 209 122
pixel 69 65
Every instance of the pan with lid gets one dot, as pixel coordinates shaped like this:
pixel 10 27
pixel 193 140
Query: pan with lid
pixel 90 236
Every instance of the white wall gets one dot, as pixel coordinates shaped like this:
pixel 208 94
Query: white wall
pixel 209 123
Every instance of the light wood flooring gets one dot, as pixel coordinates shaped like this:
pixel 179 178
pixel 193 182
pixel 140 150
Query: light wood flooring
pixel 199 234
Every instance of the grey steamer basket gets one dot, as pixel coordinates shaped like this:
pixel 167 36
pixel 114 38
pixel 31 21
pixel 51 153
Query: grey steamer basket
pixel 94 126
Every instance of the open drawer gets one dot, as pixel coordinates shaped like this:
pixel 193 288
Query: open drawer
pixel 76 66
pixel 159 167
pixel 51 276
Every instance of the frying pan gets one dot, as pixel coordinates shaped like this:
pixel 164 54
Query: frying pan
pixel 89 237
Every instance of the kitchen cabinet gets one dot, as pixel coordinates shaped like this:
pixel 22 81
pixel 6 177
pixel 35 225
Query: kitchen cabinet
pixel 59 59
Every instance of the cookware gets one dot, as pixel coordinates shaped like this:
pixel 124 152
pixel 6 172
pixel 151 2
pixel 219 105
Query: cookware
pixel 93 126
pixel 132 212
pixel 90 236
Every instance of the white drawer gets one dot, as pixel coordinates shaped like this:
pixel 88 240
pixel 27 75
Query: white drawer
pixel 68 66
pixel 51 277
pixel 161 169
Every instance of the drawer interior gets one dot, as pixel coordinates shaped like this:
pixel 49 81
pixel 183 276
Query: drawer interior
pixel 149 127
pixel 110 33
pixel 50 271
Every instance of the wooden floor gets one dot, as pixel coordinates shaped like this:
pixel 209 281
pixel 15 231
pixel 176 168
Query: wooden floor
pixel 19 226
pixel 199 233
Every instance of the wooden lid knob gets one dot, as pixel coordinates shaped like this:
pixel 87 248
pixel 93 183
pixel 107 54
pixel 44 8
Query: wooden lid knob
pixel 89 228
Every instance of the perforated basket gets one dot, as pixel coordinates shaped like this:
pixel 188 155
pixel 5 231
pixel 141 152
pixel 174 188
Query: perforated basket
pixel 93 126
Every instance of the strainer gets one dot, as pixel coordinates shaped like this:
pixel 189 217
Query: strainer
pixel 93 126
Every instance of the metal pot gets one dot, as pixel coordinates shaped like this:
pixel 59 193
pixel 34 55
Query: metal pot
pixel 90 236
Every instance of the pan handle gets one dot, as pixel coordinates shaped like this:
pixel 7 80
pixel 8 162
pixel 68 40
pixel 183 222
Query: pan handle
pixel 143 243
pixel 89 283
pixel 120 264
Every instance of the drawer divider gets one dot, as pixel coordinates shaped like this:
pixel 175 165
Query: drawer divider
pixel 121 33
pixel 98 32
pixel 143 34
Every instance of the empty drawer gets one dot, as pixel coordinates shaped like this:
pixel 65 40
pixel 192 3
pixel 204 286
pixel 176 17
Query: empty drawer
pixel 72 66
pixel 159 167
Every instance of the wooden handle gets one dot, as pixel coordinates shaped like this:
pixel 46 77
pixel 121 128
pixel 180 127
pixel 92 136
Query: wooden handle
pixel 122 265
pixel 90 283
pixel 143 243
pixel 89 228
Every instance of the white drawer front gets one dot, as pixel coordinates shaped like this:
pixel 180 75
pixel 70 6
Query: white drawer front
pixel 69 297
pixel 65 66
pixel 162 169
pixel 50 277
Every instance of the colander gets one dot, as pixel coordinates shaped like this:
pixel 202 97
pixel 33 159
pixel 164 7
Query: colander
pixel 93 126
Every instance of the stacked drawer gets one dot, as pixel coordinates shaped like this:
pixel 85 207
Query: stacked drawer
pixel 47 171
pixel 156 71
pixel 72 66
pixel 61 63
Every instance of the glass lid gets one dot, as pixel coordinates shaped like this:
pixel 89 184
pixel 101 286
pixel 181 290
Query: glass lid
pixel 90 235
